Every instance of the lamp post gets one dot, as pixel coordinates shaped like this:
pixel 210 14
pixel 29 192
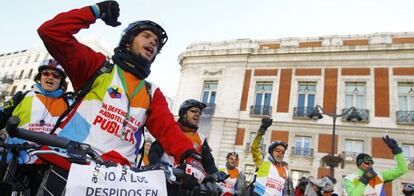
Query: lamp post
pixel 331 160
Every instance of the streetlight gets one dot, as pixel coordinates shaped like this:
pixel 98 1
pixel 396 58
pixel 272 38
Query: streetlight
pixel 331 160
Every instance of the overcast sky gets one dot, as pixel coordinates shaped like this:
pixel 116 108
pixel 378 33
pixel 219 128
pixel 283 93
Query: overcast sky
pixel 191 21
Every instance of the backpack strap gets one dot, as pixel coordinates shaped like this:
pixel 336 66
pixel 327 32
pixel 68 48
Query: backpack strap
pixel 78 96
pixel 148 87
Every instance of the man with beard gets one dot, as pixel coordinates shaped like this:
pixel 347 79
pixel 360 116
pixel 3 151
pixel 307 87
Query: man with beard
pixel 236 182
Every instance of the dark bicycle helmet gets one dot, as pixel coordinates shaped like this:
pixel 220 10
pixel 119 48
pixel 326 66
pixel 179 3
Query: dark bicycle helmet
pixel 189 103
pixel 135 28
pixel 408 189
pixel 276 143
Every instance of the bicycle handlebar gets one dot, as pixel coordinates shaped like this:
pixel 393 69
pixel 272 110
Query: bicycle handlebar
pixel 76 151
pixel 37 137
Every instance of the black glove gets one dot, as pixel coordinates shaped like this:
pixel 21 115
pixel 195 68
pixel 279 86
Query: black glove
pixel 109 12
pixel 367 175
pixel 222 176
pixel 392 144
pixel 266 122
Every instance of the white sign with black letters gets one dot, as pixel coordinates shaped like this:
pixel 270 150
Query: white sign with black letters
pixel 100 180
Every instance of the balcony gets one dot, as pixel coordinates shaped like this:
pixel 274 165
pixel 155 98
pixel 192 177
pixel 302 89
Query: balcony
pixel 209 109
pixel 302 152
pixel 349 156
pixel 302 112
pixel 405 117
pixel 260 110
pixel 363 112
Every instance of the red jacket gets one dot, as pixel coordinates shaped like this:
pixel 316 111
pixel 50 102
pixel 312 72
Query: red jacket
pixel 81 62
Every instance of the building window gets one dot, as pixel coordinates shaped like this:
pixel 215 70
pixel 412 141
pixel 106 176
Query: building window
pixel 303 146
pixel 11 63
pixel 405 103
pixel 306 99
pixel 37 57
pixel 355 96
pixel 408 152
pixel 13 90
pixel 29 75
pixel 21 74
pixel 209 92
pixel 27 59
pixel 263 95
pixel 297 174
pixel 352 148
pixel 19 61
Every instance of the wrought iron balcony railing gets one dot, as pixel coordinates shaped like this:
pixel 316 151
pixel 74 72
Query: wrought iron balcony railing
pixel 349 156
pixel 363 112
pixel 302 112
pixel 405 117
pixel 302 152
pixel 260 110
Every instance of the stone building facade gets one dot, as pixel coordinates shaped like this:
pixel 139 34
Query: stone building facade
pixel 244 80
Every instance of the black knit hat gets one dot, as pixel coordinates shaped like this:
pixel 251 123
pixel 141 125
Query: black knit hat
pixel 363 158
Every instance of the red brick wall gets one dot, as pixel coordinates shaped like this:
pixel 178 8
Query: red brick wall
pixel 284 90
pixel 403 71
pixel 325 143
pixel 310 44
pixel 380 149
pixel 355 71
pixel 354 42
pixel 270 46
pixel 308 72
pixel 265 72
pixel 330 89
pixel 239 136
pixel 245 93
pixel 382 99
pixel 280 135
pixel 323 171
pixel 402 40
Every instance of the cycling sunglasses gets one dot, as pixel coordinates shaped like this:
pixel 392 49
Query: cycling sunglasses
pixel 54 74
pixel 232 154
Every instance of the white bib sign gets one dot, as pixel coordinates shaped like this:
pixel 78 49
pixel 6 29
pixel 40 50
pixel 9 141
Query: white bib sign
pixel 98 180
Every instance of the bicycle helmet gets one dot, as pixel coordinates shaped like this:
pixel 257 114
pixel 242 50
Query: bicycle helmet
pixel 408 189
pixel 135 28
pixel 54 65
pixel 189 103
pixel 363 157
pixel 276 143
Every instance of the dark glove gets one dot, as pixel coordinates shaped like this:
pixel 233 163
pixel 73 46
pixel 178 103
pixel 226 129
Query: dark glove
pixel 392 144
pixel 266 122
pixel 194 170
pixel 222 176
pixel 109 12
pixel 367 175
